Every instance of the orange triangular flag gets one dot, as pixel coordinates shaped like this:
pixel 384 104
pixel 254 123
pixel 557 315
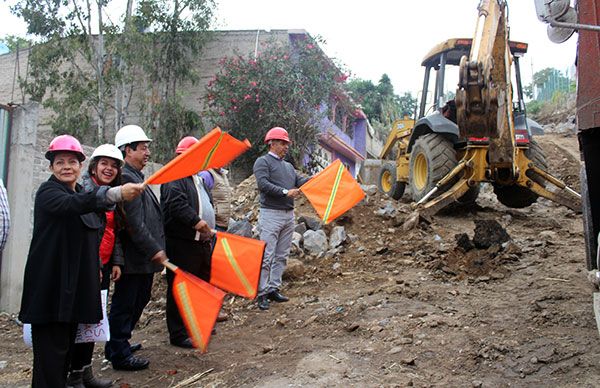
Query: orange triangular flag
pixel 199 304
pixel 332 192
pixel 235 264
pixel 215 149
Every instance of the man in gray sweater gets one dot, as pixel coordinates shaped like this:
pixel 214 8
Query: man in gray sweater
pixel 278 184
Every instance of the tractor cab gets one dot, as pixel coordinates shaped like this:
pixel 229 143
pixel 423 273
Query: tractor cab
pixel 437 110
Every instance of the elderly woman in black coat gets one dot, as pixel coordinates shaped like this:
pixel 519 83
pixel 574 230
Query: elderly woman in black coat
pixel 61 287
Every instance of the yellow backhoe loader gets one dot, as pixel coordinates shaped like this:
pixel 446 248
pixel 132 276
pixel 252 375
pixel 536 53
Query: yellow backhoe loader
pixel 480 135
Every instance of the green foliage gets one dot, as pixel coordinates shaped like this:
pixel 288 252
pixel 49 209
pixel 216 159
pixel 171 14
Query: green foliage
pixel 542 76
pixel 13 42
pixel 284 86
pixel 166 56
pixel 407 104
pixel 365 93
pixel 87 77
pixel 533 107
pixel 528 91
pixel 379 102
pixel 177 123
pixel 547 82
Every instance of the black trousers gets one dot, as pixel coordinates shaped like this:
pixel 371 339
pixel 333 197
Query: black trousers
pixel 52 347
pixel 83 352
pixel 131 295
pixel 193 257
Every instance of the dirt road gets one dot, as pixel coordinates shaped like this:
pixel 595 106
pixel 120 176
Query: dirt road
pixel 399 308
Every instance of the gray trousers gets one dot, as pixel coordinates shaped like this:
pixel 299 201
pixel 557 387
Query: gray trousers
pixel 276 230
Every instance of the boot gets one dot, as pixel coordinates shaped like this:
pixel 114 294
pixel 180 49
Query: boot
pixel 75 380
pixel 89 381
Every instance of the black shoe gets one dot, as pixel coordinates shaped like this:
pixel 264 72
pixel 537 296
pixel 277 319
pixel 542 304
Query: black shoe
pixel 276 296
pixel 131 363
pixel 75 380
pixel 135 347
pixel 186 343
pixel 91 381
pixel 263 302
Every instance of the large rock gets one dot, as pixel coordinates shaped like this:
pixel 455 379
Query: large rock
pixel 369 189
pixel 337 237
pixel 294 270
pixel 311 223
pixel 488 233
pixel 300 228
pixel 387 211
pixel 315 242
pixel 297 240
pixel 241 228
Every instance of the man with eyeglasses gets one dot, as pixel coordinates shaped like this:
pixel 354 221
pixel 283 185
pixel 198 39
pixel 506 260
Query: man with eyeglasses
pixel 143 242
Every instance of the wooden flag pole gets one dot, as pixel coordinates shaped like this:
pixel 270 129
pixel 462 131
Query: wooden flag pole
pixel 169 265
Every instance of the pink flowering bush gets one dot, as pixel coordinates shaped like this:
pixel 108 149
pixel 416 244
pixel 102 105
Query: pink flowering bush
pixel 283 86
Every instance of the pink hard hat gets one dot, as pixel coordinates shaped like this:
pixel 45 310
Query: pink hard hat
pixel 65 143
pixel 277 133
pixel 185 143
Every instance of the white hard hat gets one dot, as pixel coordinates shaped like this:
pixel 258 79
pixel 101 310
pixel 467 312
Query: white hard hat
pixel 109 151
pixel 130 134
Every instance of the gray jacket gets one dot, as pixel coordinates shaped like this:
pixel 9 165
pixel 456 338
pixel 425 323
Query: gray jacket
pixel 273 175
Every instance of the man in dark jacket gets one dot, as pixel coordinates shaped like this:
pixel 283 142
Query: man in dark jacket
pixel 143 243
pixel 189 218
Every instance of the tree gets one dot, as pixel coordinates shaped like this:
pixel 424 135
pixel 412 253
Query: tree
pixel 542 76
pixel 85 69
pixel 166 59
pixel 549 80
pixel 528 91
pixel 14 42
pixel 66 39
pixel 285 86
pixel 379 102
pixel 407 104
pixel 366 94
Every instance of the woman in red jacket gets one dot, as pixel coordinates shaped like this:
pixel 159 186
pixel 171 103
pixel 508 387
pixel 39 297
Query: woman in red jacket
pixel 104 170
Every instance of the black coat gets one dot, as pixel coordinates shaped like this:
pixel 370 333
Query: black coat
pixel 62 279
pixel 180 206
pixel 143 235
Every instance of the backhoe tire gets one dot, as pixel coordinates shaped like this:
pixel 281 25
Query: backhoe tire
pixel 518 197
pixel 432 157
pixel 388 183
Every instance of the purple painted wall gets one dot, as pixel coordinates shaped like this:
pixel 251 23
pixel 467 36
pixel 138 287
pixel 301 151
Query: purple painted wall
pixel 349 163
pixel 360 136
pixel 358 131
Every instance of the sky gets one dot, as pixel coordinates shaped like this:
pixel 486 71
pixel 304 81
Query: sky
pixel 374 37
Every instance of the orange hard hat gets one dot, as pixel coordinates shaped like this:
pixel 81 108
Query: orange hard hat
pixel 64 143
pixel 185 143
pixel 277 133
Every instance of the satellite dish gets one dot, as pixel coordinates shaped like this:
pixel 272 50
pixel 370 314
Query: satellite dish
pixel 551 9
pixel 562 34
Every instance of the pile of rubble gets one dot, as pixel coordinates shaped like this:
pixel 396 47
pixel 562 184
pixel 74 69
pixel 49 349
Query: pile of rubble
pixel 311 239
pixel 481 257
pixel 382 228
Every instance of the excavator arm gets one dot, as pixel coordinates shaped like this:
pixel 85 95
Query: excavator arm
pixel 484 111
pixel 484 95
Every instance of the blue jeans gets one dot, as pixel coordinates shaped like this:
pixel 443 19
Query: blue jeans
pixel 276 230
